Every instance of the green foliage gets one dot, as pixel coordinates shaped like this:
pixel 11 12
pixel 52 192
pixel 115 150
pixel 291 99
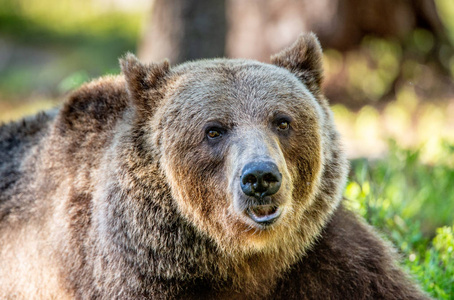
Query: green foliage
pixel 434 267
pixel 372 70
pixel 409 202
pixel 445 10
pixel 49 44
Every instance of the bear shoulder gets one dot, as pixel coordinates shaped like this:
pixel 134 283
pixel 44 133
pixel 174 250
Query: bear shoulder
pixel 355 262
pixel 94 105
pixel 16 140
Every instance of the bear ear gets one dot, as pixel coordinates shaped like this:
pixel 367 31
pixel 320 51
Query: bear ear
pixel 303 59
pixel 144 81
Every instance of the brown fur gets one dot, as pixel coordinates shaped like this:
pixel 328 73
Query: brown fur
pixel 121 194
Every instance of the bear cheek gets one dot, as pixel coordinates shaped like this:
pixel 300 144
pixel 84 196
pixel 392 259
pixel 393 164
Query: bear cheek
pixel 306 165
pixel 197 184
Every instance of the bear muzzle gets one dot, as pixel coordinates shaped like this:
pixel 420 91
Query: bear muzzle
pixel 260 180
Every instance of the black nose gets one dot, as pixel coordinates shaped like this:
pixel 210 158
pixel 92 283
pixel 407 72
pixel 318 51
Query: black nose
pixel 260 179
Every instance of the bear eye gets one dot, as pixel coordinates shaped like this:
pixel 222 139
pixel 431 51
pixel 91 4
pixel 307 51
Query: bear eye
pixel 283 124
pixel 214 133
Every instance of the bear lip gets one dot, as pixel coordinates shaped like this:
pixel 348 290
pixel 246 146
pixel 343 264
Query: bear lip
pixel 264 214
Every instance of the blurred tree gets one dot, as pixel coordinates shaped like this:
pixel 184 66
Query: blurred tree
pixel 183 30
pixel 383 18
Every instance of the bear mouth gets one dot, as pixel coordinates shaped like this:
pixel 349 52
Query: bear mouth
pixel 264 214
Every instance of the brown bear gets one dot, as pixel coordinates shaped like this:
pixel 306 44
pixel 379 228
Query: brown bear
pixel 215 179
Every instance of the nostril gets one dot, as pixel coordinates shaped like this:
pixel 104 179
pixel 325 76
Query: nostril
pixel 269 177
pixel 250 179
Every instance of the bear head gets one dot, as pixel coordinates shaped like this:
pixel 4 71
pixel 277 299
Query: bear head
pixel 248 149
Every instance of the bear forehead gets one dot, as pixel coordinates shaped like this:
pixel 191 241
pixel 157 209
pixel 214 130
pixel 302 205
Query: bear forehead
pixel 237 85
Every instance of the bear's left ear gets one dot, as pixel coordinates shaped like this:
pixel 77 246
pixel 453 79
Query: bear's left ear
pixel 144 81
pixel 304 60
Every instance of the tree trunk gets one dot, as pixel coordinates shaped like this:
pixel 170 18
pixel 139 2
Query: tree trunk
pixel 182 30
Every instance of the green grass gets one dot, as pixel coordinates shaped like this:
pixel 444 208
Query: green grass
pixel 412 205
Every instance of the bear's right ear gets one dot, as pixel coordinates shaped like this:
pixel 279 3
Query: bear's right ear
pixel 144 81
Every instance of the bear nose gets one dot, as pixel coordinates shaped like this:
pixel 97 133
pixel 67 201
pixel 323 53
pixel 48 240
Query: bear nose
pixel 260 179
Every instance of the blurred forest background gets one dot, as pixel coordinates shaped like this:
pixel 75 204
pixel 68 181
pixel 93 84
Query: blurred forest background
pixel 389 76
